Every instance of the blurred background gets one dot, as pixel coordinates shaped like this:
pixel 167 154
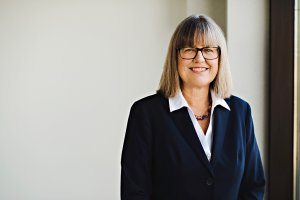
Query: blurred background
pixel 71 69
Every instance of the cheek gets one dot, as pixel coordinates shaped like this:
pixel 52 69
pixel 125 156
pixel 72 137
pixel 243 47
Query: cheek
pixel 215 66
pixel 181 71
pixel 182 67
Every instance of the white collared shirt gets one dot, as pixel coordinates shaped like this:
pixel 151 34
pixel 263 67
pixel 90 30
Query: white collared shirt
pixel 178 101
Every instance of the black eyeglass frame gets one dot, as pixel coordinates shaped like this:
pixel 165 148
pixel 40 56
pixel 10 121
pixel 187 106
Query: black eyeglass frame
pixel 200 49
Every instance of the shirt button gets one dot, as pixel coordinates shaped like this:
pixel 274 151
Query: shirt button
pixel 209 181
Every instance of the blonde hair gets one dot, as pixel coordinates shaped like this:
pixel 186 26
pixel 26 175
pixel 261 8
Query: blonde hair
pixel 196 28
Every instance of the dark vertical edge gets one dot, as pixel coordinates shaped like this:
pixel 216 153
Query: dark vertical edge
pixel 281 96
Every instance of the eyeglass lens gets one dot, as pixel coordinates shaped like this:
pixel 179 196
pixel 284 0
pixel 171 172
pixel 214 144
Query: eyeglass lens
pixel 207 52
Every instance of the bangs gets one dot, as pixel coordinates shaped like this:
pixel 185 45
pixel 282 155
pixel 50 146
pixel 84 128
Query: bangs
pixel 195 31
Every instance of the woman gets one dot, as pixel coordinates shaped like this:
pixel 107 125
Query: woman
pixel 192 140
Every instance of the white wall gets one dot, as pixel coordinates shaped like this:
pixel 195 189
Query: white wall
pixel 69 71
pixel 247 35
pixel 216 9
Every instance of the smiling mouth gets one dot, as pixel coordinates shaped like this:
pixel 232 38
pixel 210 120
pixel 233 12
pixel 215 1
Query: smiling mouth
pixel 199 69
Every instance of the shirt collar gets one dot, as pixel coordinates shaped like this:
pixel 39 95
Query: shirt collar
pixel 178 101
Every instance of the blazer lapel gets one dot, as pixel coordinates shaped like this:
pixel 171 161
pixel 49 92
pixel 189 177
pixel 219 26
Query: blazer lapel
pixel 183 122
pixel 221 120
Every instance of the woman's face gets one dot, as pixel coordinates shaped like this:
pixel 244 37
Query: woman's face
pixel 198 72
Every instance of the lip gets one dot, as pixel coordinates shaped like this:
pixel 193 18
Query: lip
pixel 198 69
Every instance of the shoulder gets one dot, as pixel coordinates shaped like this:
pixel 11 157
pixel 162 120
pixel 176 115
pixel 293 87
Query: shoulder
pixel 154 98
pixel 148 109
pixel 151 103
pixel 238 104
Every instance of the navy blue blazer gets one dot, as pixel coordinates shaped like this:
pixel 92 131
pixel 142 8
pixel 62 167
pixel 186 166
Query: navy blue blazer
pixel 163 159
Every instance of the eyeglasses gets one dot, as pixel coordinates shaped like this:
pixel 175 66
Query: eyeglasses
pixel 209 53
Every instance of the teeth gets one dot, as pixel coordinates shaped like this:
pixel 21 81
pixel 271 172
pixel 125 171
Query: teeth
pixel 202 69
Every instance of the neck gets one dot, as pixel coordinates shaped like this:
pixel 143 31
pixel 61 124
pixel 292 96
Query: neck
pixel 198 99
pixel 196 96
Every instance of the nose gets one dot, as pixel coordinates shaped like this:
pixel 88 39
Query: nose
pixel 199 57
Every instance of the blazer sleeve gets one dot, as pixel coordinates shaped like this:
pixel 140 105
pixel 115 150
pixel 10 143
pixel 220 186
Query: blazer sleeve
pixel 253 182
pixel 136 156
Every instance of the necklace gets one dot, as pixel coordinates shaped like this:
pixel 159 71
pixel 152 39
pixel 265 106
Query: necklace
pixel 205 116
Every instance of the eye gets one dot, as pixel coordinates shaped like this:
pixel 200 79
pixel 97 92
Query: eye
pixel 188 50
pixel 208 50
